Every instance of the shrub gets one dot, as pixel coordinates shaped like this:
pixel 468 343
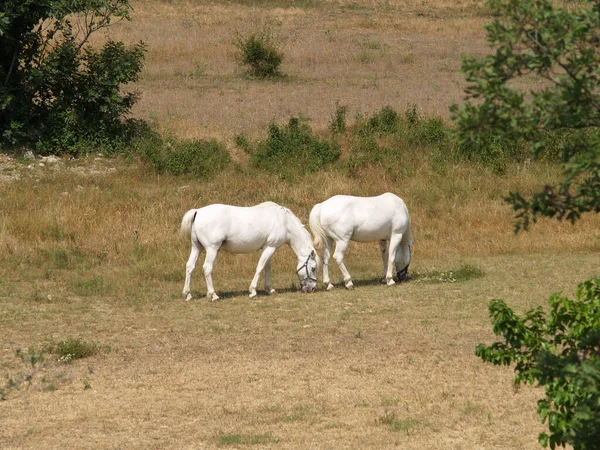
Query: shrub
pixel 58 94
pixel 242 142
pixel 338 123
pixel 259 54
pixel 294 149
pixel 419 131
pixel 74 348
pixel 559 351
pixel 385 121
pixel 198 157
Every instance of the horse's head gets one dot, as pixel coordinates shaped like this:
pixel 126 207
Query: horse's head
pixel 402 275
pixel 307 272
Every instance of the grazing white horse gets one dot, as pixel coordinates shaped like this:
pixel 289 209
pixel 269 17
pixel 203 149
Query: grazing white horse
pixel 246 229
pixel 344 218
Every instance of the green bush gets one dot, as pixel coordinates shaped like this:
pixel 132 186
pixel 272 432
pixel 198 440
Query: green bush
pixel 58 94
pixel 338 123
pixel 385 121
pixel 259 54
pixel 200 158
pixel 412 129
pixel 365 150
pixel 294 149
pixel 490 150
pixel 419 131
pixel 559 350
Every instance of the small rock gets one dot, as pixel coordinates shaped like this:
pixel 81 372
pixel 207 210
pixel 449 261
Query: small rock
pixel 29 155
pixel 52 159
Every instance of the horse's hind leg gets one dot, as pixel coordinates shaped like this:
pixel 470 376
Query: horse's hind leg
pixel 265 257
pixel 383 247
pixel 189 268
pixel 338 255
pixel 268 289
pixel 326 256
pixel 211 255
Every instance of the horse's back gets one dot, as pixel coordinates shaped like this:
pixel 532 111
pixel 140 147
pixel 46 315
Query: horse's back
pixel 364 219
pixel 238 229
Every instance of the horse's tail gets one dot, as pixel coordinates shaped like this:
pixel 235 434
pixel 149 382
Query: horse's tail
pixel 314 222
pixel 407 236
pixel 187 222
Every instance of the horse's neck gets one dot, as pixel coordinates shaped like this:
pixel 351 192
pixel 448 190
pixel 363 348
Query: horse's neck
pixel 298 237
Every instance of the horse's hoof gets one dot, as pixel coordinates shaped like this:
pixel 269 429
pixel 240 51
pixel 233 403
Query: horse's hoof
pixel 391 282
pixel 349 285
pixel 271 291
pixel 213 297
pixel 252 294
pixel 329 287
pixel 188 297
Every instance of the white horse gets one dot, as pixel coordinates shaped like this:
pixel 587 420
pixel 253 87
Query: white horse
pixel 246 229
pixel 343 218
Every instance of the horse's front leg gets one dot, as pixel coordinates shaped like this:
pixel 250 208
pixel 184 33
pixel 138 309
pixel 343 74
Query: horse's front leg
pixel 211 255
pixel 189 268
pixel 265 257
pixel 402 261
pixel 394 244
pixel 338 255
pixel 326 256
pixel 383 247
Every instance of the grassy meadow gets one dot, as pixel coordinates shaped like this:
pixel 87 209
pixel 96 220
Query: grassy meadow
pixel 99 350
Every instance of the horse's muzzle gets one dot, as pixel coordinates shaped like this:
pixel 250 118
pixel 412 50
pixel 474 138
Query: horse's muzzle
pixel 402 275
pixel 308 289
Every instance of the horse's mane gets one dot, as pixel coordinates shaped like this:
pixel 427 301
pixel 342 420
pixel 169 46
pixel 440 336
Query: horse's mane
pixel 298 222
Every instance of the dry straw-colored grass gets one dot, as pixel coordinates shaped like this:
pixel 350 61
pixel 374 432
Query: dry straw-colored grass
pixel 364 55
pixel 90 250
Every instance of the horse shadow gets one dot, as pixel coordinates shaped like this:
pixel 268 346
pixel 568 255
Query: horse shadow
pixel 260 293
pixel 373 281
pixel 227 295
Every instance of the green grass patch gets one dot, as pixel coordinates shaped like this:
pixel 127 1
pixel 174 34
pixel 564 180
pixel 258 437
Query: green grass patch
pixel 71 349
pixel 88 287
pixel 461 274
pixel 230 439
pixel 391 420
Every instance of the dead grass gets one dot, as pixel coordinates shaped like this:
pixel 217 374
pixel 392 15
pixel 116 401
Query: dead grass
pixel 360 54
pixel 94 255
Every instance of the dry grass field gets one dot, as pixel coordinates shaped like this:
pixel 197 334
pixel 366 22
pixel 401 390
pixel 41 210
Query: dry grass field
pixel 89 251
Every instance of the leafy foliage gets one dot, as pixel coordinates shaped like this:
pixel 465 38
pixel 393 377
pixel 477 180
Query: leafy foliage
pixel 557 50
pixel 259 53
pixel 338 123
pixel 199 158
pixel 57 93
pixel 560 351
pixel 382 138
pixel 294 149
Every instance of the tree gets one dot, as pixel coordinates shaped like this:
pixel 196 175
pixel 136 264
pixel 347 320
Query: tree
pixel 558 47
pixel 56 91
pixel 560 352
